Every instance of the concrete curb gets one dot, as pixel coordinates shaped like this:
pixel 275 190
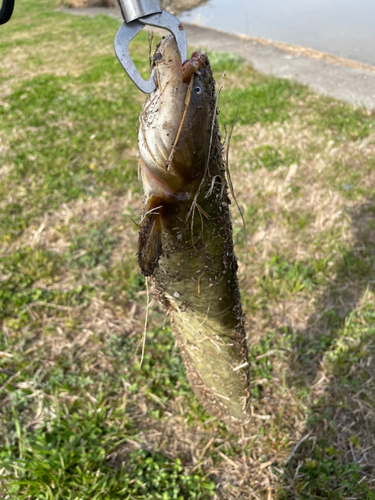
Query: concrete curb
pixel 353 85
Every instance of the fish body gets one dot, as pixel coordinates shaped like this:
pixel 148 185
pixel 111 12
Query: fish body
pixel 185 242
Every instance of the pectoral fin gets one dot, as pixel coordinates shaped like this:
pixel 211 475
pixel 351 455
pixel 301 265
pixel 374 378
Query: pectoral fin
pixel 149 240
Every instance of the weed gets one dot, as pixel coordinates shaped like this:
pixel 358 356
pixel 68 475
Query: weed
pixel 66 459
pixel 282 277
pixel 322 475
pixel 269 158
pixel 91 248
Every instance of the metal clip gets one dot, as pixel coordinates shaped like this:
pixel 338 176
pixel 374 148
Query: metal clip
pixel 129 30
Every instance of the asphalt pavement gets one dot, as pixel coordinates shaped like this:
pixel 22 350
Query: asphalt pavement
pixel 344 80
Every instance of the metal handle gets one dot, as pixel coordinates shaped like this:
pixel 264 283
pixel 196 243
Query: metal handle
pixel 6 11
pixel 134 9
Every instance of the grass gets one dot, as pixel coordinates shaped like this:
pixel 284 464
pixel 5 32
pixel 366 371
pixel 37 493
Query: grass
pixel 270 158
pixel 59 461
pixel 79 417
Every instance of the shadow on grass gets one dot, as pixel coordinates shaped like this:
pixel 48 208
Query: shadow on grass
pixel 335 357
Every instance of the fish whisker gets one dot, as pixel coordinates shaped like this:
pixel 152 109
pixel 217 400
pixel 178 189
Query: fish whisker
pixel 149 212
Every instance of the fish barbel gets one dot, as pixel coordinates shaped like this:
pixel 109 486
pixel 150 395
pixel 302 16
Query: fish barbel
pixel 185 240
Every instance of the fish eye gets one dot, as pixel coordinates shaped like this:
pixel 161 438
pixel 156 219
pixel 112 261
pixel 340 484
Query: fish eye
pixel 197 90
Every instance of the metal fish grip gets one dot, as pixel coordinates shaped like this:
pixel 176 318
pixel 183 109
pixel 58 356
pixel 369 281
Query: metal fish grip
pixel 138 14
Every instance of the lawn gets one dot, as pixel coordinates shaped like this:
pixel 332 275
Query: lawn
pixel 79 417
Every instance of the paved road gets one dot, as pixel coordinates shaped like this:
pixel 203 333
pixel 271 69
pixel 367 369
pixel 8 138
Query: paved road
pixel 355 85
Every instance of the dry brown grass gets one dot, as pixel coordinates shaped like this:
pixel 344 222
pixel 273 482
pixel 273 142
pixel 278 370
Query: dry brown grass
pixel 279 409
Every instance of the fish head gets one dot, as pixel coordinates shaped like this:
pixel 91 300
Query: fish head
pixel 175 124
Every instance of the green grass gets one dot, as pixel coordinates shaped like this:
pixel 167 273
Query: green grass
pixel 66 459
pixel 27 276
pixel 340 120
pixel 266 101
pixel 92 248
pixel 287 278
pixel 80 416
pixel 270 158
pixel 323 476
pixel 64 146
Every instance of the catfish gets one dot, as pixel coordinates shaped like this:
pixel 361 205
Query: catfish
pixel 185 240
